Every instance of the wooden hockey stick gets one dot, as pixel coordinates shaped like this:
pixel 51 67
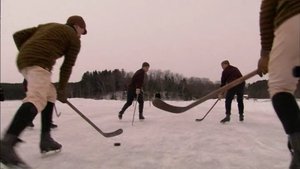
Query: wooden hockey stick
pixel 134 110
pixel 175 109
pixel 110 134
pixel 208 111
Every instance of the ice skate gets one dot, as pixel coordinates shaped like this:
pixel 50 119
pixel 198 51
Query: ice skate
pixel 241 117
pixel 295 150
pixel 30 125
pixel 48 144
pixel 226 119
pixel 53 126
pixel 141 117
pixel 8 156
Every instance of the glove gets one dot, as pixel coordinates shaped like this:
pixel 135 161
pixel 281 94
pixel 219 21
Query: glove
pixel 62 96
pixel 262 66
pixel 220 96
pixel 137 91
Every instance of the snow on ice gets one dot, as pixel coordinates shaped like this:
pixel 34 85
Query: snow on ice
pixel 162 141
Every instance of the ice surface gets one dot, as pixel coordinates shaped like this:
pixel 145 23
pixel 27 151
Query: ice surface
pixel 162 141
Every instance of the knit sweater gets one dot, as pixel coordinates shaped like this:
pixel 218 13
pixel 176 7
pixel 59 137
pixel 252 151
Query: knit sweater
pixel 273 13
pixel 42 45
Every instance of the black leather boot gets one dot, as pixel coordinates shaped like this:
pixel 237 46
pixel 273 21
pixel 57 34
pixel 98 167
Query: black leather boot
pixel 226 119
pixel 294 140
pixel 141 116
pixel 241 117
pixel 8 156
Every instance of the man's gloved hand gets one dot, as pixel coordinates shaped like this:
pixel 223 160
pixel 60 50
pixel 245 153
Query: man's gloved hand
pixel 62 95
pixel 220 96
pixel 137 91
pixel 262 66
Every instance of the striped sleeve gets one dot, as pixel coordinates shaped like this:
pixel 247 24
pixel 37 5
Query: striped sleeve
pixel 267 16
pixel 68 63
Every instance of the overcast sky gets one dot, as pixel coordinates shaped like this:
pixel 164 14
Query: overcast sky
pixel 189 37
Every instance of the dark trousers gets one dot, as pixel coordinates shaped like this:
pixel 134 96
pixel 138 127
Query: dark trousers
pixel 239 92
pixel 131 95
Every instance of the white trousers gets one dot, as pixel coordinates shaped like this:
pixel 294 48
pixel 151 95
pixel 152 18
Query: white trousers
pixel 285 55
pixel 40 90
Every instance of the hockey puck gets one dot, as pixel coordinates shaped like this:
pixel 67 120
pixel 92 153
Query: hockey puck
pixel 117 144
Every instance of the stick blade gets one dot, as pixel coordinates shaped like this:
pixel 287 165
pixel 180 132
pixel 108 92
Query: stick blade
pixel 198 120
pixel 174 109
pixel 167 107
pixel 113 134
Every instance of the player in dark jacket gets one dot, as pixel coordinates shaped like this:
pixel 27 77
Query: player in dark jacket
pixel 229 74
pixel 135 90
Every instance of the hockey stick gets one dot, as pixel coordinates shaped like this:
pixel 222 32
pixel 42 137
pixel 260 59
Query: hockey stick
pixel 111 134
pixel 134 112
pixel 56 112
pixel 208 111
pixel 175 109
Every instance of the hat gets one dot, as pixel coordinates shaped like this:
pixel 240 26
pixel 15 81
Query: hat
pixel 77 20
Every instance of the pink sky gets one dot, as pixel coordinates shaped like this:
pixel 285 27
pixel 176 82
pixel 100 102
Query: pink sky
pixel 189 37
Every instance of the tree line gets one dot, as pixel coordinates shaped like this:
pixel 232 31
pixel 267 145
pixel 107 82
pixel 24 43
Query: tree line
pixel 112 84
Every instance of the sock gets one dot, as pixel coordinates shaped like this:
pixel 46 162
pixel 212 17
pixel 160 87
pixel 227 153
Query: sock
pixel 25 114
pixel 47 117
pixel 287 110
